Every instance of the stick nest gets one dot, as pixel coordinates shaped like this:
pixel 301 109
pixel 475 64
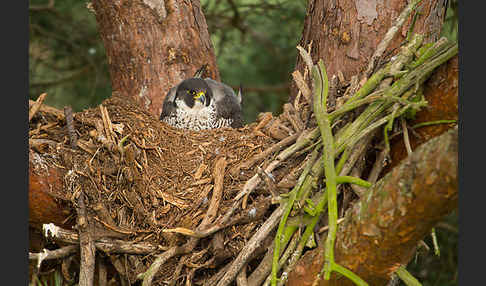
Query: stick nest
pixel 141 177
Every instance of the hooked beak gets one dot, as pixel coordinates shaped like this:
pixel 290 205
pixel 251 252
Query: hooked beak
pixel 201 96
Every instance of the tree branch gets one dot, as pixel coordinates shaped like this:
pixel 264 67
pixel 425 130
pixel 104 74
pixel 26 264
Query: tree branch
pixel 386 224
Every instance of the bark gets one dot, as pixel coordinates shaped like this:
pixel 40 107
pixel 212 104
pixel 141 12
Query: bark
pixel 381 230
pixel 151 45
pixel 345 33
pixel 45 185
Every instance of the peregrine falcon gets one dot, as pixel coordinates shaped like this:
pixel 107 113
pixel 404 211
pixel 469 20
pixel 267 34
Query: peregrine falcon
pixel 198 104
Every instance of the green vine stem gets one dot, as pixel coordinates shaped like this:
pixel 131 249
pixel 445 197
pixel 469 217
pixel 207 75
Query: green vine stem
pixel 288 207
pixel 428 123
pixel 434 241
pixel 406 277
pixel 323 120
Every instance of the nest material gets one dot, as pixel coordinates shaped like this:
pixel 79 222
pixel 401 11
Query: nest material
pixel 141 176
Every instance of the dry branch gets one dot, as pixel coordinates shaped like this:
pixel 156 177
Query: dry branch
pixel 250 247
pixel 48 109
pixel 104 244
pixel 53 254
pixel 35 107
pixel 87 246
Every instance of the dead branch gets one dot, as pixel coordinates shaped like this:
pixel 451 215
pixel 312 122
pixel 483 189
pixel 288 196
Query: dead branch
pixel 104 244
pixel 47 254
pixel 218 174
pixel 252 244
pixel 35 107
pixel 47 109
pixel 86 243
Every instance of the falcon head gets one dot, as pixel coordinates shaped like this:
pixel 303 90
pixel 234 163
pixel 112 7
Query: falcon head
pixel 193 93
pixel 199 104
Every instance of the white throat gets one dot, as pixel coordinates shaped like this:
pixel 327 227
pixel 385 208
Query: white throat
pixel 199 117
pixel 198 112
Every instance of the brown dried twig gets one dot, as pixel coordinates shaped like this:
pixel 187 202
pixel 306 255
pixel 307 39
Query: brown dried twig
pixel 103 244
pixel 53 254
pixel 86 244
pixel 68 112
pixel 48 109
pixel 36 106
pixel 260 156
pixel 249 248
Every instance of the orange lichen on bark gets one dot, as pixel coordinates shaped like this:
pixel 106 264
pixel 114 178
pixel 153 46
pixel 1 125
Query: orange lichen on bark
pixel 441 93
pixel 44 181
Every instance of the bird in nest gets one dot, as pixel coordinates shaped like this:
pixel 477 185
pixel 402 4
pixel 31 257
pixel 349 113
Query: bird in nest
pixel 199 104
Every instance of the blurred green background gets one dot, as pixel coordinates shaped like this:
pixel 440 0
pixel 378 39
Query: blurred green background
pixel 254 41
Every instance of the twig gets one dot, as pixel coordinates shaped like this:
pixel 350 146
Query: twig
pixel 269 181
pixel 305 139
pixel 216 277
pixel 189 276
pixel 302 85
pixel 38 143
pixel 250 246
pixel 290 113
pixel 357 153
pixel 406 277
pixel 252 214
pixel 241 279
pixel 287 209
pixel 324 228
pixel 218 174
pixel 108 128
pixel 357 172
pixel 428 123
pixel 53 254
pixel 86 244
pixel 103 244
pixel 406 140
pixel 177 271
pixel 33 110
pixel 68 112
pixel 435 243
pixel 380 49
pixel 393 67
pixel 263 269
pixel 323 120
pixel 219 169
pixel 285 256
pixel 260 156
pixel 122 272
pixel 149 275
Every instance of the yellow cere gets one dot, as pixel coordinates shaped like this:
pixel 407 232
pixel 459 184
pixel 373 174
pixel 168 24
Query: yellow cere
pixel 199 94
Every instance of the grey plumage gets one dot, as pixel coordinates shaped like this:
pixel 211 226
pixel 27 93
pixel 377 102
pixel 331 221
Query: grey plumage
pixel 198 104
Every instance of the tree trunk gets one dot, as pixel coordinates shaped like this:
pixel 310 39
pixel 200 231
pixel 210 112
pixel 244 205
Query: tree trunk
pixel 151 45
pixel 346 33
